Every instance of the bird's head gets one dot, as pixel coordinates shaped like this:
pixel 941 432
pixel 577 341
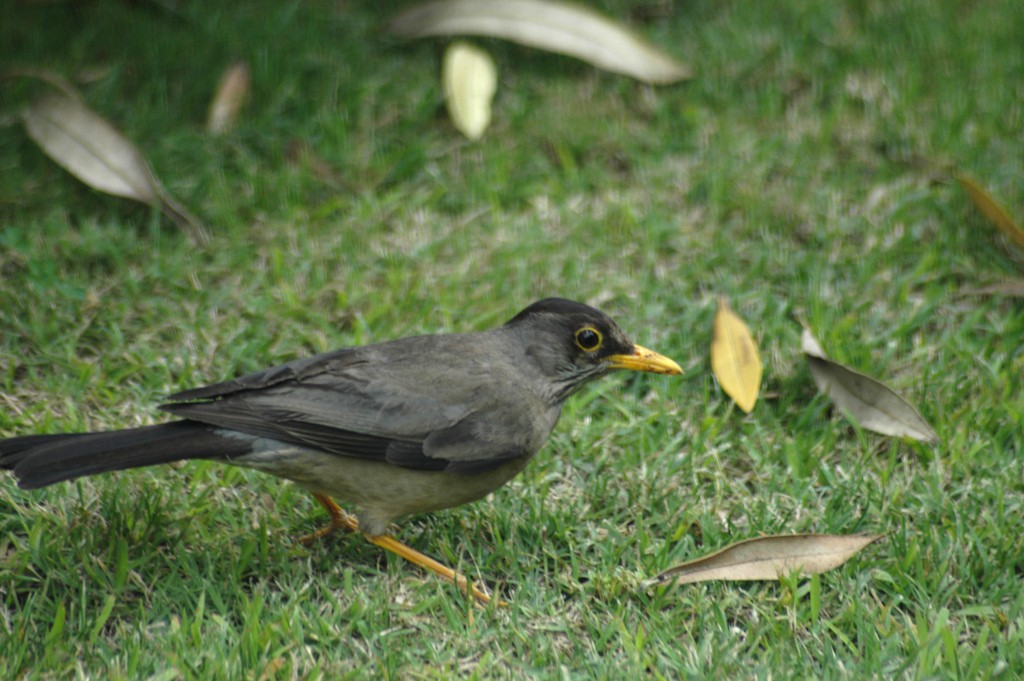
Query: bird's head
pixel 571 343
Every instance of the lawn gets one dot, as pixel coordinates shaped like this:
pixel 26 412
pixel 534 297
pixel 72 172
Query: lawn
pixel 805 174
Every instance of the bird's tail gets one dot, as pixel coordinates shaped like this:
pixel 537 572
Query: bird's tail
pixel 41 460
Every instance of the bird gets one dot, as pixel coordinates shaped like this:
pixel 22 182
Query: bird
pixel 395 428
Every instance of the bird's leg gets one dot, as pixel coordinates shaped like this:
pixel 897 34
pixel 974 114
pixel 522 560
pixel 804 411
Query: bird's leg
pixel 339 520
pixel 343 521
pixel 427 563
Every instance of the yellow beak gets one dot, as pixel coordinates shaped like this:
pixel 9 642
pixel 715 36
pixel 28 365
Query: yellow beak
pixel 642 359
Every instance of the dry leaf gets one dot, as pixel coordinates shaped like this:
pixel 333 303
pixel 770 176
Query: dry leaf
pixel 87 146
pixel 49 77
pixel 991 209
pixel 768 558
pixel 232 92
pixel 867 401
pixel 560 27
pixel 470 80
pixel 1013 288
pixel 734 358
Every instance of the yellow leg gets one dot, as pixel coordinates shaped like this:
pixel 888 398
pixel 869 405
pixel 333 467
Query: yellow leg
pixel 427 563
pixel 339 521
pixel 343 521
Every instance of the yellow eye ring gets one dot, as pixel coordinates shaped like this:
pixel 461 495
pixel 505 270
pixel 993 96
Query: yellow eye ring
pixel 588 339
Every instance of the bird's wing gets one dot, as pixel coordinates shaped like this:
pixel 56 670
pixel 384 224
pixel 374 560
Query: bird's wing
pixel 292 371
pixel 362 403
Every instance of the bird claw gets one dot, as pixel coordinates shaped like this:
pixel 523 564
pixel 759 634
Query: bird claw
pixel 339 521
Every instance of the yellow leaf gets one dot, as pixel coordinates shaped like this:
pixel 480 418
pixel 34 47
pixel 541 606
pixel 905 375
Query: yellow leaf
pixel 991 209
pixel 470 80
pixel 734 358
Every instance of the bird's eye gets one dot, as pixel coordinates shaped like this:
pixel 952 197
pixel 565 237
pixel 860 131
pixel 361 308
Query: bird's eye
pixel 588 339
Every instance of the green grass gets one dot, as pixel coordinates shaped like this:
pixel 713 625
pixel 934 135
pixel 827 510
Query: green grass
pixel 805 173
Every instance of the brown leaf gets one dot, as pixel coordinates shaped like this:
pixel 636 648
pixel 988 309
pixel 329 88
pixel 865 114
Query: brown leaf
pixel 232 92
pixel 869 402
pixel 768 558
pixel 87 146
pixel 991 209
pixel 559 27
pixel 1013 288
pixel 734 358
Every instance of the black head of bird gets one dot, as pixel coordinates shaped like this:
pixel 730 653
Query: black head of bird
pixel 570 344
pixel 406 426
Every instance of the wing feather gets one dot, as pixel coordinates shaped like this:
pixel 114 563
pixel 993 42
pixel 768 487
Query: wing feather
pixel 381 402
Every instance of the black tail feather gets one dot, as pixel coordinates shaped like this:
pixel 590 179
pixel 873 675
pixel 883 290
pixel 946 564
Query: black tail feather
pixel 13 450
pixel 41 460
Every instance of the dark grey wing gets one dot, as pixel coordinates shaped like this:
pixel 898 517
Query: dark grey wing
pixel 292 371
pixel 378 402
pixel 462 444
pixel 256 414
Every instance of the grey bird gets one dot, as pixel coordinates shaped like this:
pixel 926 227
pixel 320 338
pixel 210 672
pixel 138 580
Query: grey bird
pixel 395 428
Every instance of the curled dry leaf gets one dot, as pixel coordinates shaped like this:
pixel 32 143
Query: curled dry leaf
pixel 560 27
pixel 232 93
pixel 470 80
pixel 869 402
pixel 991 209
pixel 87 146
pixel 768 558
pixel 734 358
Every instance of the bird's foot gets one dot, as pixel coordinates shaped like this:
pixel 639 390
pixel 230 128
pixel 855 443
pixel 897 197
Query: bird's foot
pixel 339 521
